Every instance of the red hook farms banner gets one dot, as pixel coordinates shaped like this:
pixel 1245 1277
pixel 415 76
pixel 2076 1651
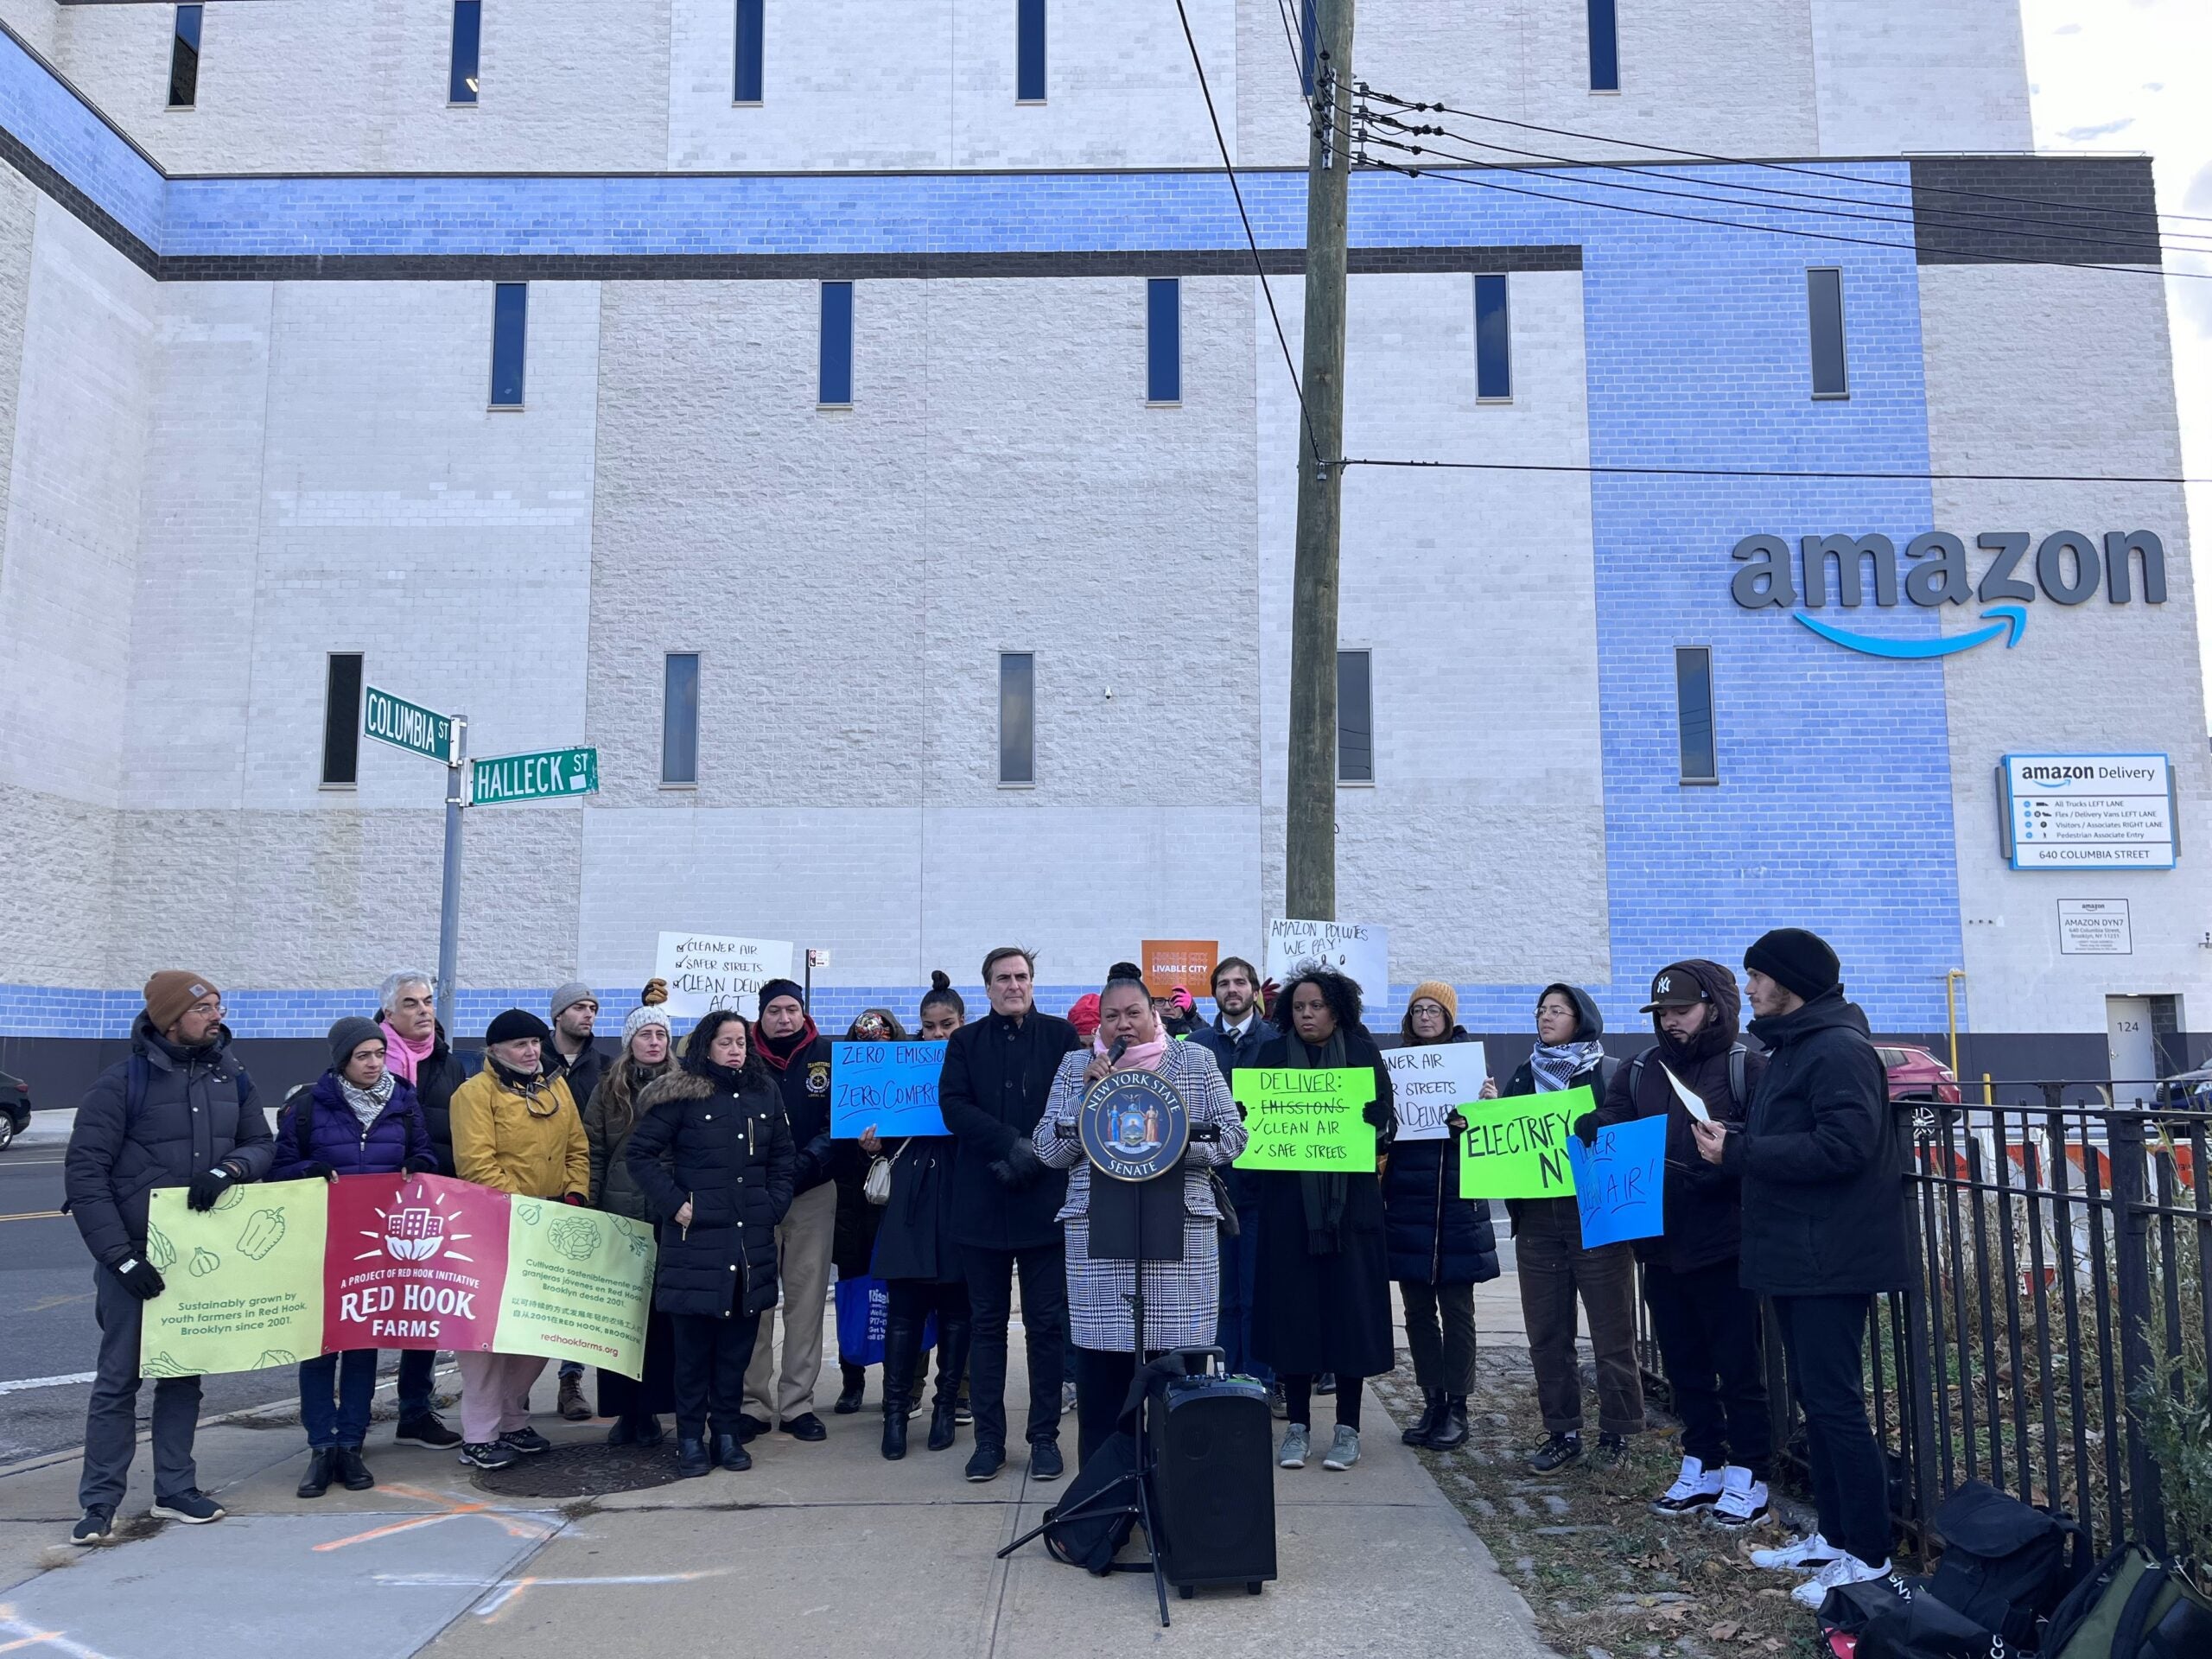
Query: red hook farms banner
pixel 280 1271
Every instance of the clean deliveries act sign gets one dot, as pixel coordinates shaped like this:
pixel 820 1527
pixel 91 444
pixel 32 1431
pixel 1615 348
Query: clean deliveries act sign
pixel 2088 811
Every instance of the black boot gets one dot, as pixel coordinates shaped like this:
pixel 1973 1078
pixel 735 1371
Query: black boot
pixel 645 1431
pixel 321 1466
pixel 730 1453
pixel 952 1366
pixel 1431 1413
pixel 1450 1429
pixel 899 1337
pixel 351 1471
pixel 691 1458
pixel 848 1399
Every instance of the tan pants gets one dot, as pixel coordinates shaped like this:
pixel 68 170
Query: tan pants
pixel 803 1245
pixel 495 1394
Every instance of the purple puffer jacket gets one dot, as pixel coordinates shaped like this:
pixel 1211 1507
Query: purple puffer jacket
pixel 335 1135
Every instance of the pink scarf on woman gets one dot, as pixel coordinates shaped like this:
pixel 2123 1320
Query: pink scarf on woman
pixel 401 1057
pixel 1137 1057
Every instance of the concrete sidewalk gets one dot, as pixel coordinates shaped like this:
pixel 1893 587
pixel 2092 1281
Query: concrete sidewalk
pixel 816 1547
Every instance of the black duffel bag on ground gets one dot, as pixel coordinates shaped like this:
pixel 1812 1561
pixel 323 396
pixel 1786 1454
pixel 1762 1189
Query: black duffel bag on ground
pixel 2005 1563
pixel 1894 1617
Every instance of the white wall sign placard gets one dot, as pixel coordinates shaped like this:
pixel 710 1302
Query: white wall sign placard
pixel 1357 950
pixel 2095 927
pixel 1429 1081
pixel 706 971
pixel 2088 811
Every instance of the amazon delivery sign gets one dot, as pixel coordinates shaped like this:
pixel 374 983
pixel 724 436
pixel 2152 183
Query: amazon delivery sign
pixel 2068 567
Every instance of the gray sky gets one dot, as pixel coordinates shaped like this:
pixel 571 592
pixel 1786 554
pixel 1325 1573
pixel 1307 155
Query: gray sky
pixel 2135 75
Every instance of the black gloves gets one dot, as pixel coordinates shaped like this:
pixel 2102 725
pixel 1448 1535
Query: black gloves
pixel 209 1185
pixel 1456 1123
pixel 1585 1128
pixel 317 1172
pixel 139 1277
pixel 426 1164
pixel 1019 1167
pixel 1377 1114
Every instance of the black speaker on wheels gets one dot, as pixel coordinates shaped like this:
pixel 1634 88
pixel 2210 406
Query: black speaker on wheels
pixel 1213 1481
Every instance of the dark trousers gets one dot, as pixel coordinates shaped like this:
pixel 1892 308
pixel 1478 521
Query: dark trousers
pixel 415 1390
pixel 1824 1335
pixel 1044 1322
pixel 346 1422
pixel 911 1303
pixel 1298 1394
pixel 111 1414
pixel 1440 1331
pixel 1708 1330
pixel 711 1356
pixel 1240 1268
pixel 1103 1378
pixel 1555 1270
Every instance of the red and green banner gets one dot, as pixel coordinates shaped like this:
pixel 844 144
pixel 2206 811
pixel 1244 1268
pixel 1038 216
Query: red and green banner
pixel 282 1271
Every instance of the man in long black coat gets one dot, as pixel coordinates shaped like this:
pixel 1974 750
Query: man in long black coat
pixel 998 1072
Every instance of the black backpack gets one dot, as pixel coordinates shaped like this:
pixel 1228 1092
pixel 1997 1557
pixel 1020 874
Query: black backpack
pixel 1737 1091
pixel 2005 1563
pixel 2131 1607
pixel 1088 1528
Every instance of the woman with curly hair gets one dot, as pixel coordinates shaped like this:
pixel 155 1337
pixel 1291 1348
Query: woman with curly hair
pixel 713 1154
pixel 1321 1297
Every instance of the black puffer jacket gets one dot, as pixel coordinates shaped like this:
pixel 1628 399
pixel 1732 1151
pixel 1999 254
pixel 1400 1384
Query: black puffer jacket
pixel 1703 1202
pixel 1434 1236
pixel 1596 1077
pixel 730 1155
pixel 1821 1163
pixel 435 1078
pixel 996 1080
pixel 199 1109
pixel 583 1073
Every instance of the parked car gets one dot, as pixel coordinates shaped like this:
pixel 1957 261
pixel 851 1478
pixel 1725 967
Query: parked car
pixel 1915 1074
pixel 15 1107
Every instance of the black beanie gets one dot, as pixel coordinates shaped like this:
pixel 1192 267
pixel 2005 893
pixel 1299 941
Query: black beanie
pixel 515 1025
pixel 349 1034
pixel 1795 958
pixel 776 988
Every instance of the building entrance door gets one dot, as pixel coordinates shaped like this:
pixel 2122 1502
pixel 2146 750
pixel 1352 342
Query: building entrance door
pixel 2133 1046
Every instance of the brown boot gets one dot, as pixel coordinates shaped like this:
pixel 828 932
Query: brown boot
pixel 571 1403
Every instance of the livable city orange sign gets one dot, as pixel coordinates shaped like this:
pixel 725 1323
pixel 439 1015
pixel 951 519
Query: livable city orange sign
pixel 1187 963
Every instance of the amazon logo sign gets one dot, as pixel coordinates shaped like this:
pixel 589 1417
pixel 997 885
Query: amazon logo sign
pixel 2067 565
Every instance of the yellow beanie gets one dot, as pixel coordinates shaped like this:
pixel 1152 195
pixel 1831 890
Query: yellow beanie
pixel 1440 993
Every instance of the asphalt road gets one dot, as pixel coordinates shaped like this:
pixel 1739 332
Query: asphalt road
pixel 47 1328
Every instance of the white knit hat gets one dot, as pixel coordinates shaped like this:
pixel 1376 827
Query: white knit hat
pixel 653 1011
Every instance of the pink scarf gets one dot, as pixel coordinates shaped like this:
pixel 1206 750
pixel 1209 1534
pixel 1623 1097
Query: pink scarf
pixel 401 1057
pixel 1137 1057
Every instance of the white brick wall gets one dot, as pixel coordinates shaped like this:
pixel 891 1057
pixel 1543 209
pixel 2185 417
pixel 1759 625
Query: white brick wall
pixel 1476 594
pixel 2047 369
pixel 1896 76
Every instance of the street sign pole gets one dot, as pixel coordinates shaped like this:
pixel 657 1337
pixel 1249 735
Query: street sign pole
pixel 449 899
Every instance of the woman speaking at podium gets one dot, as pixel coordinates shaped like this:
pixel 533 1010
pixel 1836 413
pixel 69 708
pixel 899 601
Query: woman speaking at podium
pixel 1182 1300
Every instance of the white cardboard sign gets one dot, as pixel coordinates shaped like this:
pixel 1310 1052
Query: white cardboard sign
pixel 1359 950
pixel 706 971
pixel 1430 1081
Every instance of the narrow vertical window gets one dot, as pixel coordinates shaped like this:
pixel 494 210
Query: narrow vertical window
pixel 1693 713
pixel 1163 316
pixel 679 719
pixel 467 41
pixel 1605 49
pixel 1824 306
pixel 1017 717
pixel 748 51
pixel 509 331
pixel 1493 341
pixel 1309 42
pixel 184 58
pixel 1029 51
pixel 1355 718
pixel 341 719
pixel 837 391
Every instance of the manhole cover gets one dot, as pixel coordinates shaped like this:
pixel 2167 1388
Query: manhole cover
pixel 584 1471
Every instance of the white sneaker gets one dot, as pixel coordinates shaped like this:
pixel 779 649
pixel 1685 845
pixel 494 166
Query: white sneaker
pixel 1694 1489
pixel 1804 1556
pixel 1742 1500
pixel 1846 1568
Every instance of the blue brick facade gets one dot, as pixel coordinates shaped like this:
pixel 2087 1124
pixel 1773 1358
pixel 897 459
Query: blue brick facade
pixel 1833 811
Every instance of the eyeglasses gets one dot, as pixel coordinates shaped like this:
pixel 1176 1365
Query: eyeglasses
pixel 205 1008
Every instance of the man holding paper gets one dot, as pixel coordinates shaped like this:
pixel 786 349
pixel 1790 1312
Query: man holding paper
pixel 1707 1323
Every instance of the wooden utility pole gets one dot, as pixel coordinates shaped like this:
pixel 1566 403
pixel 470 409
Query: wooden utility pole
pixel 1310 831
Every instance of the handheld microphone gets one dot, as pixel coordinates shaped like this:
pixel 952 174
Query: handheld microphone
pixel 1113 1054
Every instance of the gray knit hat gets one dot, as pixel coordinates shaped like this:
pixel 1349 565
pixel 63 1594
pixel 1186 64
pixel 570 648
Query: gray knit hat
pixel 652 1013
pixel 349 1034
pixel 575 991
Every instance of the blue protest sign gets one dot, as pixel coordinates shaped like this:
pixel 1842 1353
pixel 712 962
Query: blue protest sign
pixel 1620 1181
pixel 891 1086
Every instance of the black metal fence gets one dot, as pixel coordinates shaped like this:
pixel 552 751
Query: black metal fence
pixel 2063 1233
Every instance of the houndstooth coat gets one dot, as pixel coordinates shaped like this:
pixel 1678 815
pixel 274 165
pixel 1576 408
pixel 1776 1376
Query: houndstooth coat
pixel 1182 1300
